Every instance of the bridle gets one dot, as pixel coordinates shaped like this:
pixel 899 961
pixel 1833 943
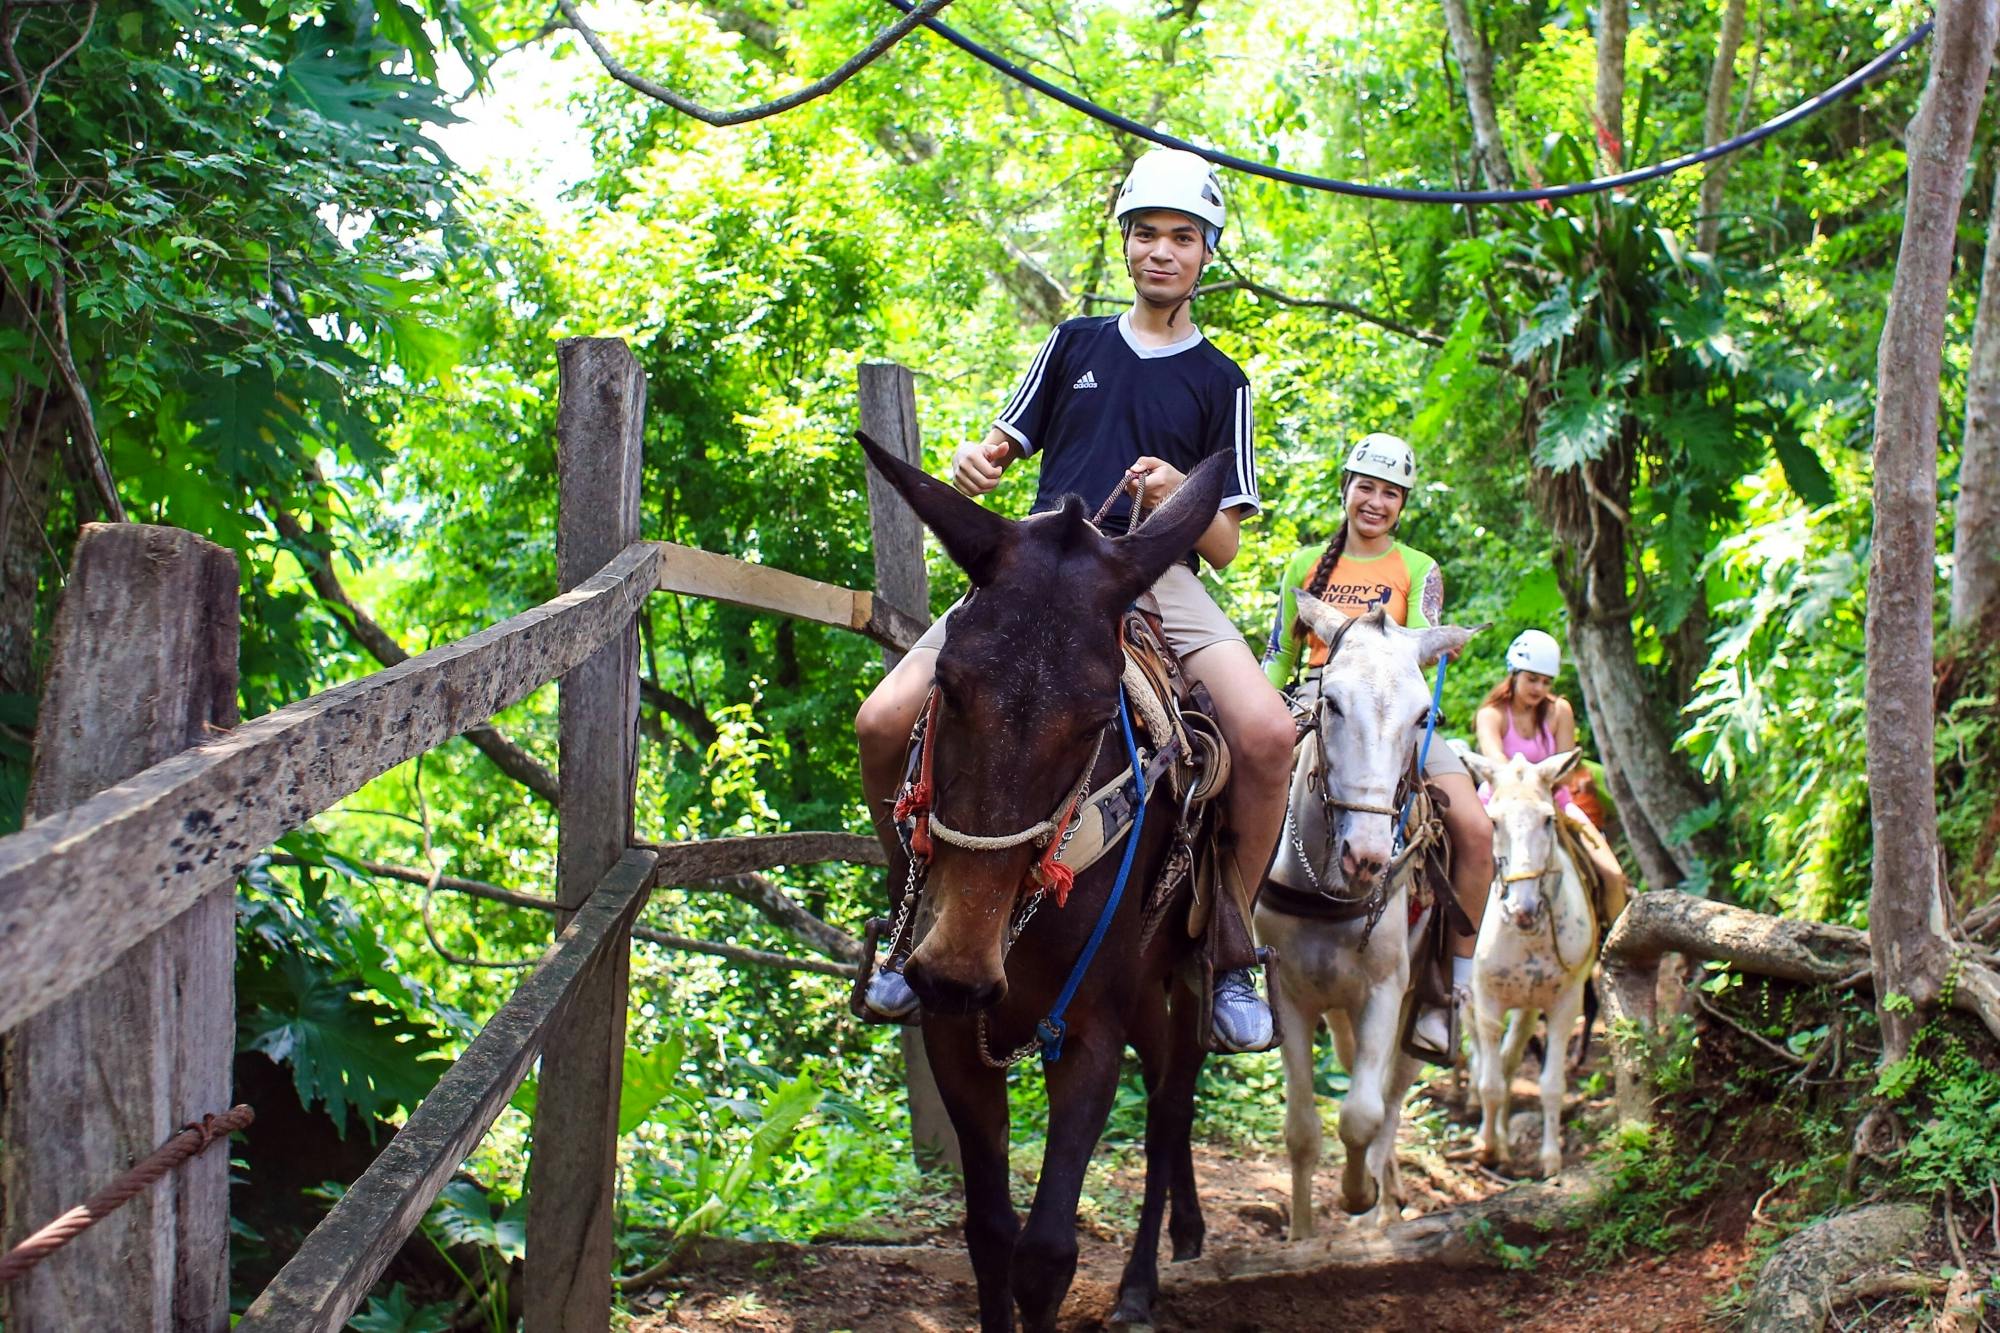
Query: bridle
pixel 1552 875
pixel 1410 794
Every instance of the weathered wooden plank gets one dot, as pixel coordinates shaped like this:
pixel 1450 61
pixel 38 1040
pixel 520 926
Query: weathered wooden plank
pixel 699 573
pixel 79 888
pixel 889 416
pixel 572 1172
pixel 143 665
pixel 332 1271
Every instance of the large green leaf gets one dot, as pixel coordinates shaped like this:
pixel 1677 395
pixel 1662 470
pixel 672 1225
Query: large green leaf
pixel 1577 426
pixel 397 1313
pixel 468 1215
pixel 350 1052
pixel 651 1078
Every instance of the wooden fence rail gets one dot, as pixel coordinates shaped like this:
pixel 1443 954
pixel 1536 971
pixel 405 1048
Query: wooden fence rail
pixel 85 886
pixel 79 888
pixel 330 1275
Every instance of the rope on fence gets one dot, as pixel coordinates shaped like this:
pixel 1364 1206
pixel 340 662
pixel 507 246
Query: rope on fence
pixel 190 1142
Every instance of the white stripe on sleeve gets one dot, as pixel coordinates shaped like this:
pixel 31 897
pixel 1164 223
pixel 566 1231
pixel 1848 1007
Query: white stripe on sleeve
pixel 1245 452
pixel 1024 396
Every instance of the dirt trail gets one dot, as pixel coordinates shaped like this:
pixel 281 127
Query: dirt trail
pixel 921 1281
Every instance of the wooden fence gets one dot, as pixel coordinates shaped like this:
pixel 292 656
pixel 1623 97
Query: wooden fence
pixel 148 801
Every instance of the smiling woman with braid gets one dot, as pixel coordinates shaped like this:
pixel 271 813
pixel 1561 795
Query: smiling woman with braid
pixel 1364 567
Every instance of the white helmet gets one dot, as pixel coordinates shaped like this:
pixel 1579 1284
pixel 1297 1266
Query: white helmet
pixel 1535 651
pixel 1175 179
pixel 1385 457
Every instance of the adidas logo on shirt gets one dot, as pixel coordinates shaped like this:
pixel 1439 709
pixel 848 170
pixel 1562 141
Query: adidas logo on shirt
pixel 1089 381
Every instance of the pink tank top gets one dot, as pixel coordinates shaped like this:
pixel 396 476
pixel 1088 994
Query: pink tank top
pixel 1536 748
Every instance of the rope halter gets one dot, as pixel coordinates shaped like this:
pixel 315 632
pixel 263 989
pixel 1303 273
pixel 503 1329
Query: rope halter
pixel 1052 834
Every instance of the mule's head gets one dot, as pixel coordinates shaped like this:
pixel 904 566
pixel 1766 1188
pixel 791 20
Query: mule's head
pixel 1523 810
pixel 1373 709
pixel 1027 679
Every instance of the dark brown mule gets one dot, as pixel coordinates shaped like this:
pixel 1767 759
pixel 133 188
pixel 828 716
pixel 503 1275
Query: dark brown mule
pixel 1028 680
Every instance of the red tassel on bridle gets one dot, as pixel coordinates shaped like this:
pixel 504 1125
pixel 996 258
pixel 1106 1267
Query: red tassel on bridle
pixel 915 799
pixel 1051 873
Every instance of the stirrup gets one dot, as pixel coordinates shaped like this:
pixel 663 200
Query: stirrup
pixel 1413 1010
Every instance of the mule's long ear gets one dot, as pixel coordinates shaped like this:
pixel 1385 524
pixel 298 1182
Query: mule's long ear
pixel 1477 764
pixel 1175 526
pixel 1322 618
pixel 972 536
pixel 1557 766
pixel 1435 642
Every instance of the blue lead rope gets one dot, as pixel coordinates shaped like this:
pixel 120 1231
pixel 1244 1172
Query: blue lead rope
pixel 1424 750
pixel 1051 1029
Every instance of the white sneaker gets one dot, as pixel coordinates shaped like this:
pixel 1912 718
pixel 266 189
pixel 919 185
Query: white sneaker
pixel 1431 1034
pixel 890 996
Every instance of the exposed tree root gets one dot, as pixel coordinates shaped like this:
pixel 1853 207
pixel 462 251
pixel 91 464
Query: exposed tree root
pixel 1806 951
pixel 1459 1237
pixel 1812 1271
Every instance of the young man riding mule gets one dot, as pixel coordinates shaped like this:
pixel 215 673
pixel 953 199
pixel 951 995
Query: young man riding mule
pixel 1131 404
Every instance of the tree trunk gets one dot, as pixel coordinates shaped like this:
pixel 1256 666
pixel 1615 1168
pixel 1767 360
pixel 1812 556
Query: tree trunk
pixel 1585 510
pixel 1907 937
pixel 1613 21
pixel 1975 576
pixel 33 445
pixel 1477 62
pixel 1715 124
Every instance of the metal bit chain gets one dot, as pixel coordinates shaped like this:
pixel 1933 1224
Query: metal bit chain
pixel 1020 1053
pixel 911 888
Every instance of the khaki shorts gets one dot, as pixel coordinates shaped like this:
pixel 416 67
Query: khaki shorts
pixel 1192 619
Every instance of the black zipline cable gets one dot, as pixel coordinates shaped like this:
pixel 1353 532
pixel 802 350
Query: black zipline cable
pixel 1811 106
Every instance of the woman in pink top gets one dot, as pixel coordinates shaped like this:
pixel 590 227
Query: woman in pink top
pixel 1520 716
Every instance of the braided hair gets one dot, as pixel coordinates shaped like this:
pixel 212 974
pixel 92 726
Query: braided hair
pixel 1322 573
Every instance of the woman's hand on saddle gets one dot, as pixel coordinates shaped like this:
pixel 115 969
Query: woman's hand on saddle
pixel 1152 480
pixel 976 468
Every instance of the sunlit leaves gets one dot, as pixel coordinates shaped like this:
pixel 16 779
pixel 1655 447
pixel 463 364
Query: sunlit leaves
pixel 1585 413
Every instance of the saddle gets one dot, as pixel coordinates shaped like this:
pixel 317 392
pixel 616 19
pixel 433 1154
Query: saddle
pixel 1575 844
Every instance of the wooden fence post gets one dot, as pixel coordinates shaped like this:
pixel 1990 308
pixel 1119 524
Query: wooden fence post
pixel 572 1181
pixel 143 666
pixel 889 415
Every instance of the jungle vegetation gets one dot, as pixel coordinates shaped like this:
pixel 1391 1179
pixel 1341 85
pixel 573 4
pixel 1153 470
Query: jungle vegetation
pixel 250 292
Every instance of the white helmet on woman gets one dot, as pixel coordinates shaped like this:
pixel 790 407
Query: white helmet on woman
pixel 1535 651
pixel 1173 178
pixel 1385 457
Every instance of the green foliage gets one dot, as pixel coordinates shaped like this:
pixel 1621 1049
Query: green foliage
pixel 1517 1258
pixel 494 1228
pixel 701 1152
pixel 395 1312
pixel 313 989
pixel 1648 1191
pixel 1956 1146
pixel 1666 1051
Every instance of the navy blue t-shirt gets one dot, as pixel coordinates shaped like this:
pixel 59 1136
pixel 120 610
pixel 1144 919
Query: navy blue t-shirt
pixel 1095 400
